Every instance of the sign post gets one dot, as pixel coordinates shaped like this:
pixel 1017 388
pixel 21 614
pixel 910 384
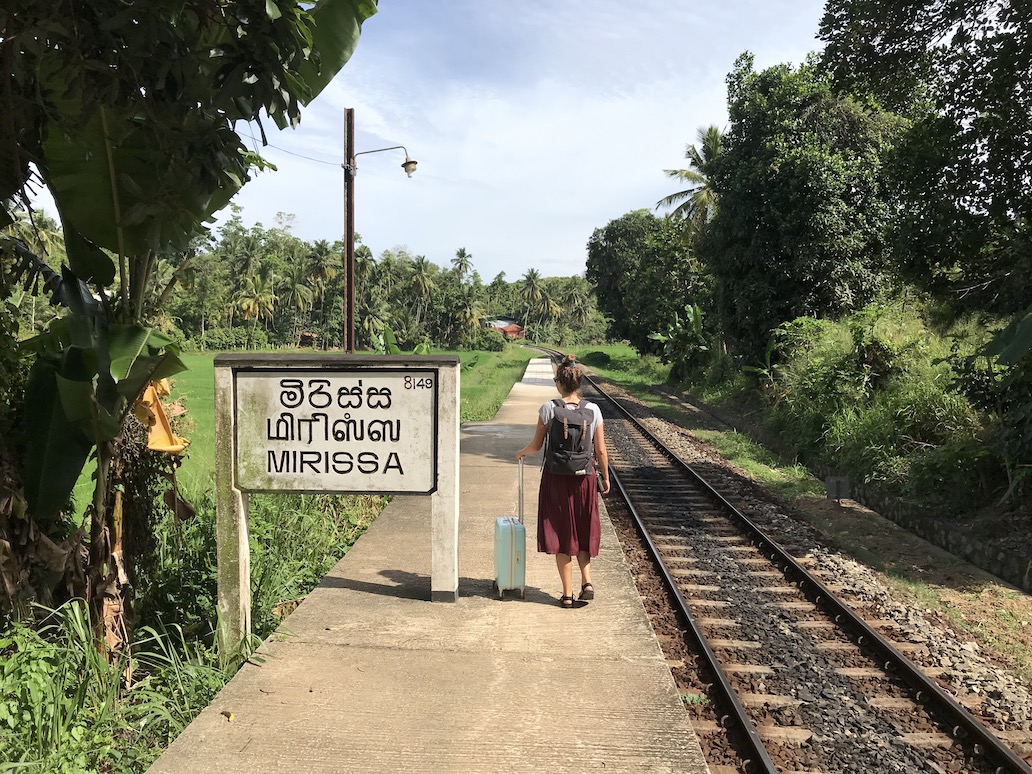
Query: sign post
pixel 332 424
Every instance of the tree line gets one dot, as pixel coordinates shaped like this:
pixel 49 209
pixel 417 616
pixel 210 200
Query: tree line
pixel 893 167
pixel 258 287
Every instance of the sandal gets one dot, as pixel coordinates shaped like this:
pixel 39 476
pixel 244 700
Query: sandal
pixel 587 591
pixel 566 602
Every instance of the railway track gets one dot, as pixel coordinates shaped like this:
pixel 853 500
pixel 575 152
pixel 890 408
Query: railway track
pixel 781 674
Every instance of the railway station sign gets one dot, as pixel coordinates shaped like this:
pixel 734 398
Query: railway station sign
pixel 339 429
pixel 338 424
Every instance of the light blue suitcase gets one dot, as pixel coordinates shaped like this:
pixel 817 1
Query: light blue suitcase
pixel 510 543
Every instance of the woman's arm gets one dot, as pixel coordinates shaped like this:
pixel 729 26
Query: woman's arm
pixel 536 444
pixel 602 457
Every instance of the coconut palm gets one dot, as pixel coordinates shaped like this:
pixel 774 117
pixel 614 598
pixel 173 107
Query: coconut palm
pixel 319 271
pixel 698 203
pixel 42 235
pixel 297 295
pixel 530 291
pixel 469 314
pixel 575 299
pixel 257 299
pixel 462 263
pixel 423 282
pixel 245 252
pixel 389 270
pixel 322 264
pixel 547 307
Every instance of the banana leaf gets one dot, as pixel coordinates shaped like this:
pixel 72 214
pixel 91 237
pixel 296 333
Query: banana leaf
pixel 338 24
pixel 1014 342
pixel 57 448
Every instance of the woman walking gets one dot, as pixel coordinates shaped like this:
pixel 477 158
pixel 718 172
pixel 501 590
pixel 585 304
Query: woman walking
pixel 568 523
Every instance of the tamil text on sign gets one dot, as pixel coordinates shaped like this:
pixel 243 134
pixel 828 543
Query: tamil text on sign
pixel 355 430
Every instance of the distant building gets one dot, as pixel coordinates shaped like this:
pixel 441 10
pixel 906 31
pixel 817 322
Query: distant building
pixel 507 326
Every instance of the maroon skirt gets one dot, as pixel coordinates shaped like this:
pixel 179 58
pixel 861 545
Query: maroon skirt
pixel 568 515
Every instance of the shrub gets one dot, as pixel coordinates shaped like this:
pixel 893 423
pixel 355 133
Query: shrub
pixel 1003 393
pixel 597 359
pixel 295 540
pixel 178 582
pixel 866 396
pixel 485 340
pixel 223 339
pixel 959 475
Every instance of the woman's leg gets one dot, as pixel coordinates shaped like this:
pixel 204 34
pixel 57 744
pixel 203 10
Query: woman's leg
pixel 584 560
pixel 565 564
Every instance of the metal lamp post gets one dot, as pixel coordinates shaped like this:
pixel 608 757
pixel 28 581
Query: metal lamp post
pixel 350 168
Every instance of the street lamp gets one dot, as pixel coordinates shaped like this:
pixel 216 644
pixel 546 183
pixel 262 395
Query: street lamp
pixel 350 168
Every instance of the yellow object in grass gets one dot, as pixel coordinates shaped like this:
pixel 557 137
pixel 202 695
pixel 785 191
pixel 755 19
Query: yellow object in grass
pixel 150 412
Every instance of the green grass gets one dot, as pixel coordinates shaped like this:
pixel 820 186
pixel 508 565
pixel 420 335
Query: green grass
pixel 195 387
pixel 486 379
pixel 622 365
pixel 790 481
pixel 67 710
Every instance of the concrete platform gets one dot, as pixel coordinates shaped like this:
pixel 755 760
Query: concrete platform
pixel 367 675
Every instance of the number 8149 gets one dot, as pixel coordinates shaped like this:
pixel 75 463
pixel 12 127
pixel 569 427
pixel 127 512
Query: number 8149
pixel 418 383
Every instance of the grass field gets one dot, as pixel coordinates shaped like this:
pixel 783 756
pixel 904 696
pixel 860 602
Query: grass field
pixel 195 388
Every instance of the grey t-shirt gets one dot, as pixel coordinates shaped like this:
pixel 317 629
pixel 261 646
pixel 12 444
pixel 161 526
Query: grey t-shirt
pixel 547 411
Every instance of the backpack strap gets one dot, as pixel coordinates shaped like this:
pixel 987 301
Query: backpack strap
pixel 556 403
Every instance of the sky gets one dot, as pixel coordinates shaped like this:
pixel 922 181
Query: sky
pixel 533 122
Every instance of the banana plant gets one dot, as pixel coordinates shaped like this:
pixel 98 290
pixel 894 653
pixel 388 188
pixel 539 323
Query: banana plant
pixel 86 375
pixel 127 113
pixel 683 345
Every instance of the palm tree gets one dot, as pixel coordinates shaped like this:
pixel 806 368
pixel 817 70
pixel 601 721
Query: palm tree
pixel 297 295
pixel 469 314
pixel 256 299
pixel 530 291
pixel 371 311
pixel 245 252
pixel 547 307
pixel 322 266
pixel 698 203
pixel 575 300
pixel 423 282
pixel 42 235
pixel 462 263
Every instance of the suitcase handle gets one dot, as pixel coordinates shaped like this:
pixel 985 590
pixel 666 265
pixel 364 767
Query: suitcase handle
pixel 521 490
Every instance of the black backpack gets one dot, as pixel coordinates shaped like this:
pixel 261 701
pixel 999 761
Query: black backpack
pixel 569 440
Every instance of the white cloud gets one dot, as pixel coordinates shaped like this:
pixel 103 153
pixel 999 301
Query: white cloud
pixel 533 123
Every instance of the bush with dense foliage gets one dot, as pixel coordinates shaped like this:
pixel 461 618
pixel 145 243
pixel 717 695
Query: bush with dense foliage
pixel 875 396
